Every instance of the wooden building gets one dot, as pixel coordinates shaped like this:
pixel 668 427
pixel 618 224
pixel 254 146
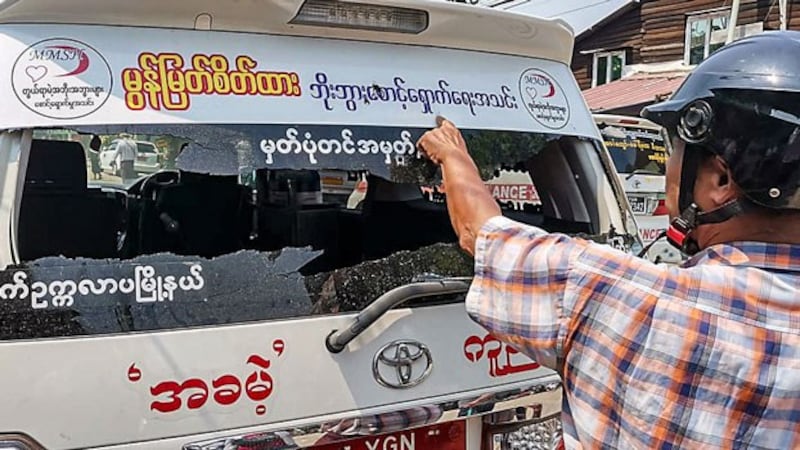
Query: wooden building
pixel 642 52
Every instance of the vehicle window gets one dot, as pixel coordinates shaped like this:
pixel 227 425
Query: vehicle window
pixel 145 148
pixel 636 149
pixel 237 223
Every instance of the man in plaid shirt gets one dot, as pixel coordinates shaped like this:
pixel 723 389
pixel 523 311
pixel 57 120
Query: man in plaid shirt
pixel 701 356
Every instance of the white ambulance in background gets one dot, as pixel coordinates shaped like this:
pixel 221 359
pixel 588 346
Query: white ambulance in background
pixel 514 189
pixel 245 299
pixel 639 149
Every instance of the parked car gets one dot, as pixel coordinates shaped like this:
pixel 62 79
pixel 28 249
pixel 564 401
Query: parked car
pixel 639 149
pixel 194 310
pixel 148 158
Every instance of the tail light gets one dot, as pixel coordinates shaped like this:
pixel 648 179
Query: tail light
pixel 531 435
pixel 364 16
pixel 661 208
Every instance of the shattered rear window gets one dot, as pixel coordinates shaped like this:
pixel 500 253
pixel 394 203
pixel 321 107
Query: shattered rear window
pixel 236 223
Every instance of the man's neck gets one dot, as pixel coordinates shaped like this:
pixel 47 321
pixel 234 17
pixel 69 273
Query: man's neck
pixel 751 227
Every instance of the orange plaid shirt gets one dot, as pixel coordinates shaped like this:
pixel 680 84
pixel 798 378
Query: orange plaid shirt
pixel 701 356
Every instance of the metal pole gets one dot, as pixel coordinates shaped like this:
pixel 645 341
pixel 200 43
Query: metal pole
pixel 733 21
pixel 784 20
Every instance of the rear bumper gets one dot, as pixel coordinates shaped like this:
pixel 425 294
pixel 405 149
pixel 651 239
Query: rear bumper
pixel 535 400
pixel 529 401
pixel 146 168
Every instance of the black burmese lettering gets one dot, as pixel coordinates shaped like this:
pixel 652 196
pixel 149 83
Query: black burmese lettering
pixel 355 96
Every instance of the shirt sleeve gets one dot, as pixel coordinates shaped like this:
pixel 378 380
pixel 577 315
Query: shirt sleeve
pixel 529 285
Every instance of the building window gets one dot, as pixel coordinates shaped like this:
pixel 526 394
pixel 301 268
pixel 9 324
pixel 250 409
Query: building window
pixel 607 67
pixel 705 33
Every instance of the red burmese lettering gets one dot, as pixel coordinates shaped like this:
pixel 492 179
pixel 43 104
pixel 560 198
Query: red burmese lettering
pixel 258 385
pixel 511 368
pixel 134 374
pixel 493 354
pixel 165 387
pixel 229 389
pixel 259 361
pixel 258 391
pixel 494 349
pixel 278 346
pixel 196 399
pixel 498 346
pixel 473 355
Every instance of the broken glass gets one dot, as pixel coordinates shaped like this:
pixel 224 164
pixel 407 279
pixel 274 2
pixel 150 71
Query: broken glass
pixel 297 254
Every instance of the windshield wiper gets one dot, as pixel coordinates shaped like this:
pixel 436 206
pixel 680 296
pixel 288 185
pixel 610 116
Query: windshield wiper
pixel 338 339
pixel 642 172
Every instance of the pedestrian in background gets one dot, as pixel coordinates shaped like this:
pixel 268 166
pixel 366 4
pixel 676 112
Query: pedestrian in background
pixel 126 151
pixel 94 157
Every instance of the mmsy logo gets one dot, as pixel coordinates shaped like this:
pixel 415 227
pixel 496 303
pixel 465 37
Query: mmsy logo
pixel 544 99
pixel 61 79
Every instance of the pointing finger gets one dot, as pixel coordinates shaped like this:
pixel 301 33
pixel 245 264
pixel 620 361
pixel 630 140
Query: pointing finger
pixel 422 139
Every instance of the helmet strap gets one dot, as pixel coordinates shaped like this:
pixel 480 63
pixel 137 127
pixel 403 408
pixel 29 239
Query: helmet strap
pixel 680 228
pixel 692 158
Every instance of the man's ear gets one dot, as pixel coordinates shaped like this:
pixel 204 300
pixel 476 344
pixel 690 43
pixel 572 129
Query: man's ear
pixel 721 188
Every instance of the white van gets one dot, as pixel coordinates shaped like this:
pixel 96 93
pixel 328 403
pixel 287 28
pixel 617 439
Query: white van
pixel 148 160
pixel 233 302
pixel 639 149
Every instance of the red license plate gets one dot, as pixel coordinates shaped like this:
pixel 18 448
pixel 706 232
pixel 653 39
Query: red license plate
pixel 446 436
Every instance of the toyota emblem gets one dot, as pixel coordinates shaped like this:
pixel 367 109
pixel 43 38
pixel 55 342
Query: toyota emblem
pixel 402 364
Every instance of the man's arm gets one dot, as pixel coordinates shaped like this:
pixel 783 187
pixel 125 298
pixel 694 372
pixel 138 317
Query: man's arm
pixel 531 288
pixel 469 203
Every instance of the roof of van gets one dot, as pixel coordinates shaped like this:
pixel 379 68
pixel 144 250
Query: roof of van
pixel 451 25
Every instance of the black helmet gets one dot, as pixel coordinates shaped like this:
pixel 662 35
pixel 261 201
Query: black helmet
pixel 743 104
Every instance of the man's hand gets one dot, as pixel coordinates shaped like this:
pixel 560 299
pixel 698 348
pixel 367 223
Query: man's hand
pixel 442 141
pixel 469 202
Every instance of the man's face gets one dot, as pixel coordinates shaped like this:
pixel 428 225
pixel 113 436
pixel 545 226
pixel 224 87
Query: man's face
pixel 673 177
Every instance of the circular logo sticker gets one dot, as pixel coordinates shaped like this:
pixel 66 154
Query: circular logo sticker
pixel 544 99
pixel 61 79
